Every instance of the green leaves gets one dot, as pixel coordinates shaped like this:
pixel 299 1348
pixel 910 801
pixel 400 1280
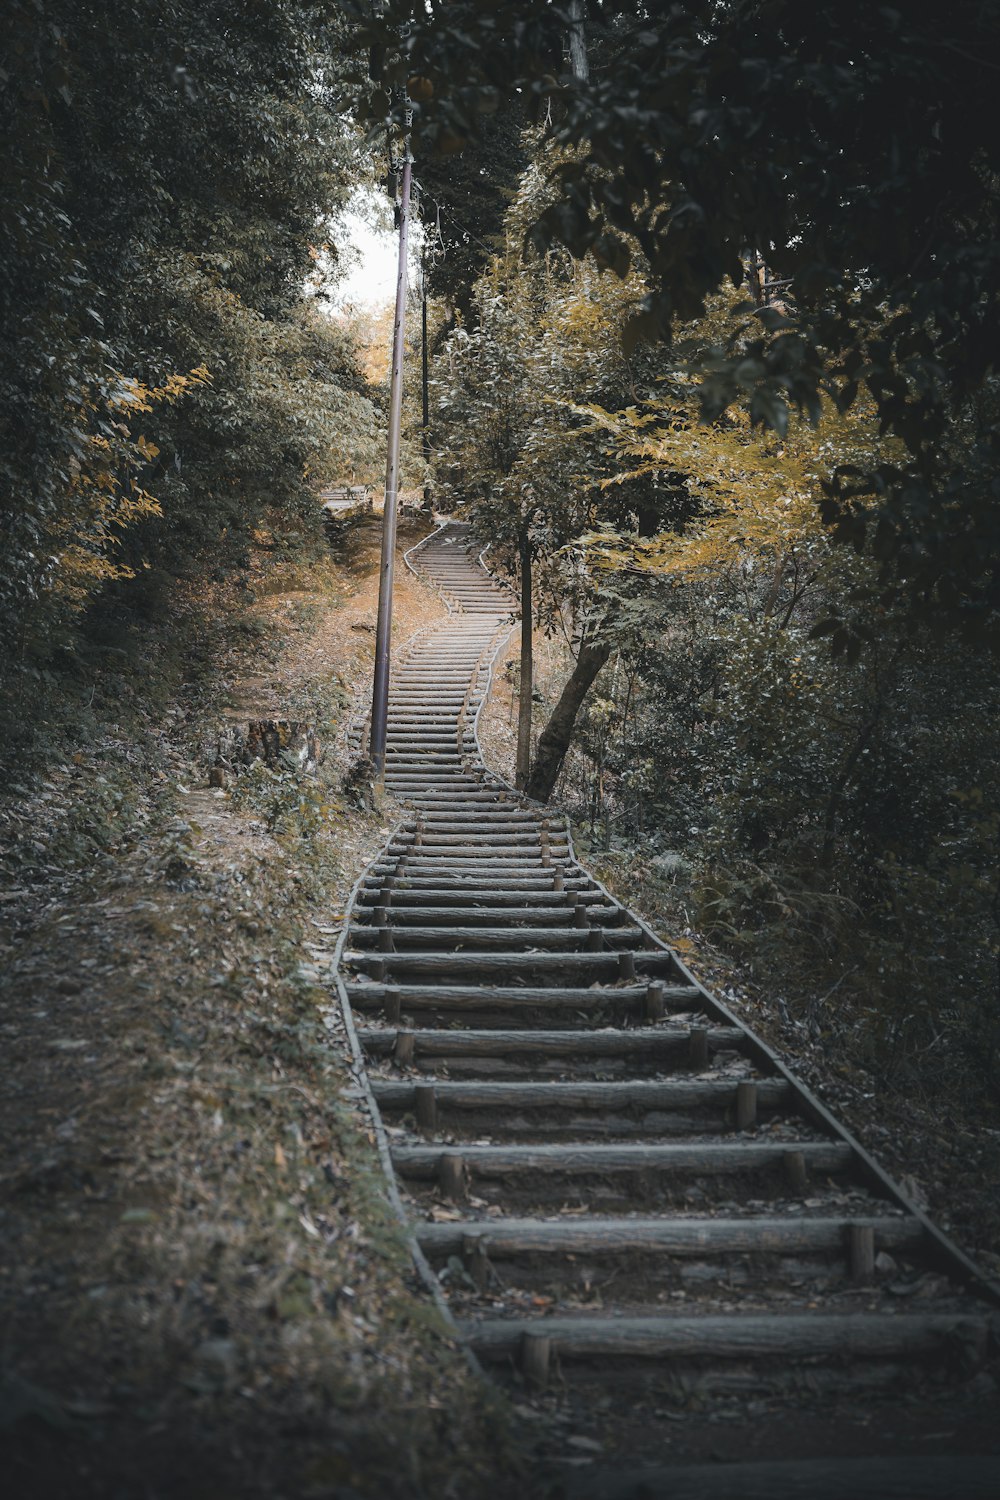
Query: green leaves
pixel 164 195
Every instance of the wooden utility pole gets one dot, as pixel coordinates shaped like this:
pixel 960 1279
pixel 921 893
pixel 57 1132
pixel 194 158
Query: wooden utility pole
pixel 383 628
pixel 523 763
pixel 425 435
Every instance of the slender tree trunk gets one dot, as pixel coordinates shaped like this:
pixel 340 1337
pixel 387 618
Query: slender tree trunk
pixel 527 670
pixel 579 65
pixel 774 591
pixel 556 736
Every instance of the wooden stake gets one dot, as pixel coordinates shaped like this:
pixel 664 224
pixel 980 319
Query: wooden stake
pixel 654 1002
pixel 795 1171
pixel 580 917
pixel 381 915
pixel 536 1351
pixel 405 1047
pixel 475 1259
pixel 558 880
pixel 385 940
pixel 595 940
pixel 451 1175
pixel 698 1049
pixel 626 964
pixel 392 1004
pixel 861 1250
pixel 746 1105
pixel 425 1100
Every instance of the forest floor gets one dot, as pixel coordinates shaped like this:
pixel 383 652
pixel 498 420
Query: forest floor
pixel 203 1291
pixel 923 1118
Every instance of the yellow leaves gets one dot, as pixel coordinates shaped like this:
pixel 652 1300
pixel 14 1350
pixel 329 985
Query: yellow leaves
pixel 133 395
pixel 103 497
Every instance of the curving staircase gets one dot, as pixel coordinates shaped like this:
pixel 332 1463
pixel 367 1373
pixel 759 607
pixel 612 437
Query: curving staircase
pixel 622 1189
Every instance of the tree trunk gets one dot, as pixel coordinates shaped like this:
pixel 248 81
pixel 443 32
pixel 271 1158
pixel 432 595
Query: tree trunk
pixel 556 735
pixel 527 684
pixel 579 65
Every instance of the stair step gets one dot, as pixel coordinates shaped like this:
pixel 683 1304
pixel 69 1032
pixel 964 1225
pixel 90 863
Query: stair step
pixel 576 1159
pixel 659 1043
pixel 781 1336
pixel 519 997
pixel 792 1234
pixel 640 1093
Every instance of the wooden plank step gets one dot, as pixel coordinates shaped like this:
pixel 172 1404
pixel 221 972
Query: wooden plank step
pixel 494 798
pixel 481 962
pixel 495 939
pixel 642 1093
pixel 659 1042
pixel 465 889
pixel 495 903
pixel 576 1159
pixel 475 918
pixel 503 838
pixel 796 1336
pixel 517 997
pixel 793 1234
pixel 484 857
pixel 420 864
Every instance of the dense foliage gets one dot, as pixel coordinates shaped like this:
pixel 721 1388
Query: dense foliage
pixel 812 806
pixel 845 144
pixel 165 385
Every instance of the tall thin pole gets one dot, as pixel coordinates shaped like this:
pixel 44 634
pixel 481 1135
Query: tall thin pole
pixel 527 683
pixel 383 628
pixel 426 414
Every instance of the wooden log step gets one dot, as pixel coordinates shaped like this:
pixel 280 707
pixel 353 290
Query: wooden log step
pixel 481 962
pixel 417 697
pixel 517 997
pixel 519 853
pixel 401 783
pixel 477 917
pixel 498 939
pixel 641 1093
pixel 479 871
pixel 465 882
pixel 493 798
pixel 495 837
pixel 669 1236
pixel 437 756
pixel 398 765
pixel 410 892
pixel 663 1044
pixel 454 820
pixel 492 903
pixel 538 882
pixel 794 1336
pixel 680 1159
